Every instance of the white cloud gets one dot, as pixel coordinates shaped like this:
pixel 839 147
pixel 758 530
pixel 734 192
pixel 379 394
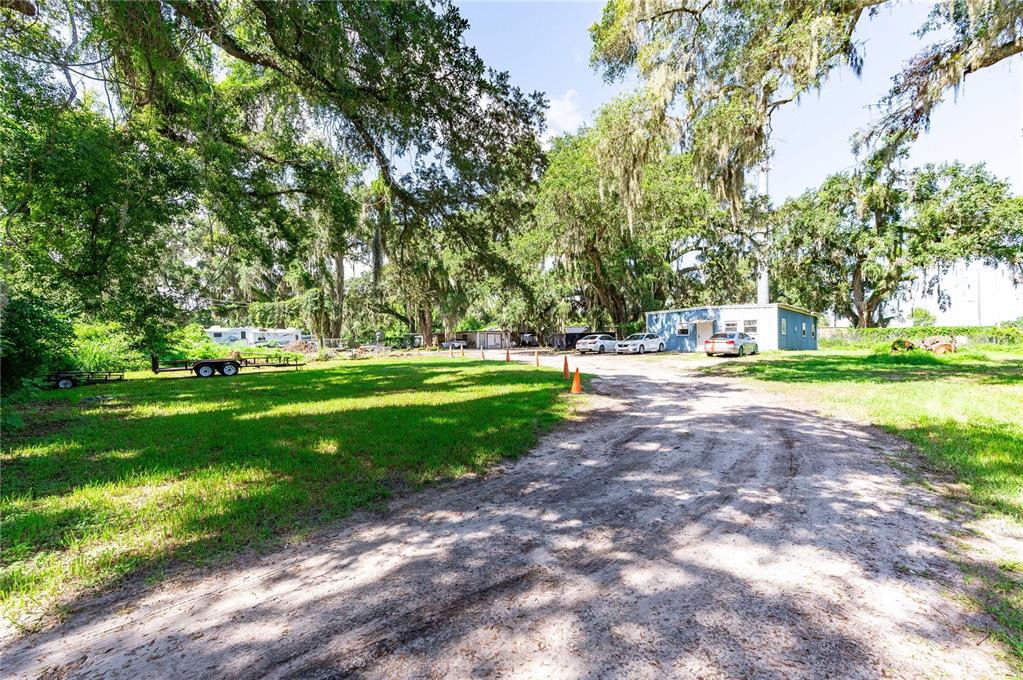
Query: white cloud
pixel 563 115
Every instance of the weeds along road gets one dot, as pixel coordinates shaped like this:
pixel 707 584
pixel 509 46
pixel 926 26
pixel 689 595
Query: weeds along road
pixel 686 526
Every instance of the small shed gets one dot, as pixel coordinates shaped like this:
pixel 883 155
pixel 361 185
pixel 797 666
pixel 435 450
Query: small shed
pixel 774 326
pixel 492 338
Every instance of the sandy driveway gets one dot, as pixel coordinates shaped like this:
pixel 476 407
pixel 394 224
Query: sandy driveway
pixel 689 527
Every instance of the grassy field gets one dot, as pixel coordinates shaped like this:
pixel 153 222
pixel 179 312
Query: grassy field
pixel 964 412
pixel 184 470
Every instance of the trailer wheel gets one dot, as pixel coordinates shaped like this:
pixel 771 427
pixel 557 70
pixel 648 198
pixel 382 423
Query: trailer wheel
pixel 204 370
pixel 65 384
pixel 229 369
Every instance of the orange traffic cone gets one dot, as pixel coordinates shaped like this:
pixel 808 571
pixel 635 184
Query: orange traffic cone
pixel 507 354
pixel 577 387
pixel 536 357
pixel 564 369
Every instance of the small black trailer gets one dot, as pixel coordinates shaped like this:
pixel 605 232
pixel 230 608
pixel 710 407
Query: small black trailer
pixel 64 380
pixel 206 368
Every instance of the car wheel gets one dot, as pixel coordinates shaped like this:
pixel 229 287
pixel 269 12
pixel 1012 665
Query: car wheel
pixel 642 349
pixel 204 371
pixel 710 354
pixel 229 369
pixel 600 349
pixel 65 383
pixel 660 347
pixel 742 350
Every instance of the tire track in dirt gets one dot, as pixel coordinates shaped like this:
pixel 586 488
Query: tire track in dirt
pixel 687 527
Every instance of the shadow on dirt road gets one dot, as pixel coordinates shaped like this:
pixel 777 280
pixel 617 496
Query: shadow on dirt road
pixel 688 526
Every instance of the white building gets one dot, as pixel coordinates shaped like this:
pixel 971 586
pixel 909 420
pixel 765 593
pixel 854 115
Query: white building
pixel 251 335
pixel 978 295
pixel 974 295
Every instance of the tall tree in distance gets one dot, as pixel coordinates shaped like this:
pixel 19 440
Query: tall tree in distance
pixel 726 67
pixel 852 245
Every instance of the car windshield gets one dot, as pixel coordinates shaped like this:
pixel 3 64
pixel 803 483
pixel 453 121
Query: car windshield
pixel 636 336
pixel 721 336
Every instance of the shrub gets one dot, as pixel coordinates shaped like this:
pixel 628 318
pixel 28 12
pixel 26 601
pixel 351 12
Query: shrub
pixel 191 342
pixel 34 339
pixel 922 317
pixel 627 329
pixel 848 337
pixel 106 347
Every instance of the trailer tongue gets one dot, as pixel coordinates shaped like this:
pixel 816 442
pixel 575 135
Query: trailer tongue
pixel 206 368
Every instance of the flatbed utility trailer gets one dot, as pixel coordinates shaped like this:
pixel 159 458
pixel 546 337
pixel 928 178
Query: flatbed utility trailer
pixel 64 380
pixel 206 368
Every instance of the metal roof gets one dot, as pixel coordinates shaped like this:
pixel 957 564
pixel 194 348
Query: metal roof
pixel 781 305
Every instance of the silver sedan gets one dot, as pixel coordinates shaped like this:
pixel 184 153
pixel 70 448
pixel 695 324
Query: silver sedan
pixel 732 344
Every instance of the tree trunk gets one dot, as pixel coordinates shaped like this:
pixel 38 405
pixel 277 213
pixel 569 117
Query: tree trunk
pixel 860 317
pixel 427 329
pixel 339 294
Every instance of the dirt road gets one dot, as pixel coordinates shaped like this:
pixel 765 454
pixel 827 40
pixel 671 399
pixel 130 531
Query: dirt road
pixel 688 527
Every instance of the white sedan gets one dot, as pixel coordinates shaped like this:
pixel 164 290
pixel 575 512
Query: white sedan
pixel 598 343
pixel 638 343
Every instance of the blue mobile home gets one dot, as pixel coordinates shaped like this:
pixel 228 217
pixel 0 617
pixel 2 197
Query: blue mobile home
pixel 774 326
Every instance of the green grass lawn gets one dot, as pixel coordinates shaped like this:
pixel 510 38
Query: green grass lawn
pixel 183 470
pixel 964 412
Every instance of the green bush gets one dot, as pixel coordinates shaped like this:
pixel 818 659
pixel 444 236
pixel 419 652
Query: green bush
pixel 627 329
pixel 922 317
pixel 106 347
pixel 191 342
pixel 862 337
pixel 34 339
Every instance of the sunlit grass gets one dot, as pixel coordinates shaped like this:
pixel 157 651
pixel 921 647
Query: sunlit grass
pixel 183 470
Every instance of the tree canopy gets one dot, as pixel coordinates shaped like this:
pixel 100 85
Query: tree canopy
pixel 715 72
pixel 853 244
pixel 217 147
pixel 355 167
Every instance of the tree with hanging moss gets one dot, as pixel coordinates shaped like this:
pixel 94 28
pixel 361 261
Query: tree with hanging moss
pixel 855 243
pixel 715 72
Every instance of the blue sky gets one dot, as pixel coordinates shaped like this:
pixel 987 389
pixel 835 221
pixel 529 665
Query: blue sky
pixel 546 46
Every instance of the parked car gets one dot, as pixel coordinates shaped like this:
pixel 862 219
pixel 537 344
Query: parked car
pixel 638 343
pixel 454 344
pixel 599 343
pixel 734 344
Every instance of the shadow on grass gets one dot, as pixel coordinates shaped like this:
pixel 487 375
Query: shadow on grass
pixel 223 464
pixel 873 368
pixel 607 529
pixel 988 455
